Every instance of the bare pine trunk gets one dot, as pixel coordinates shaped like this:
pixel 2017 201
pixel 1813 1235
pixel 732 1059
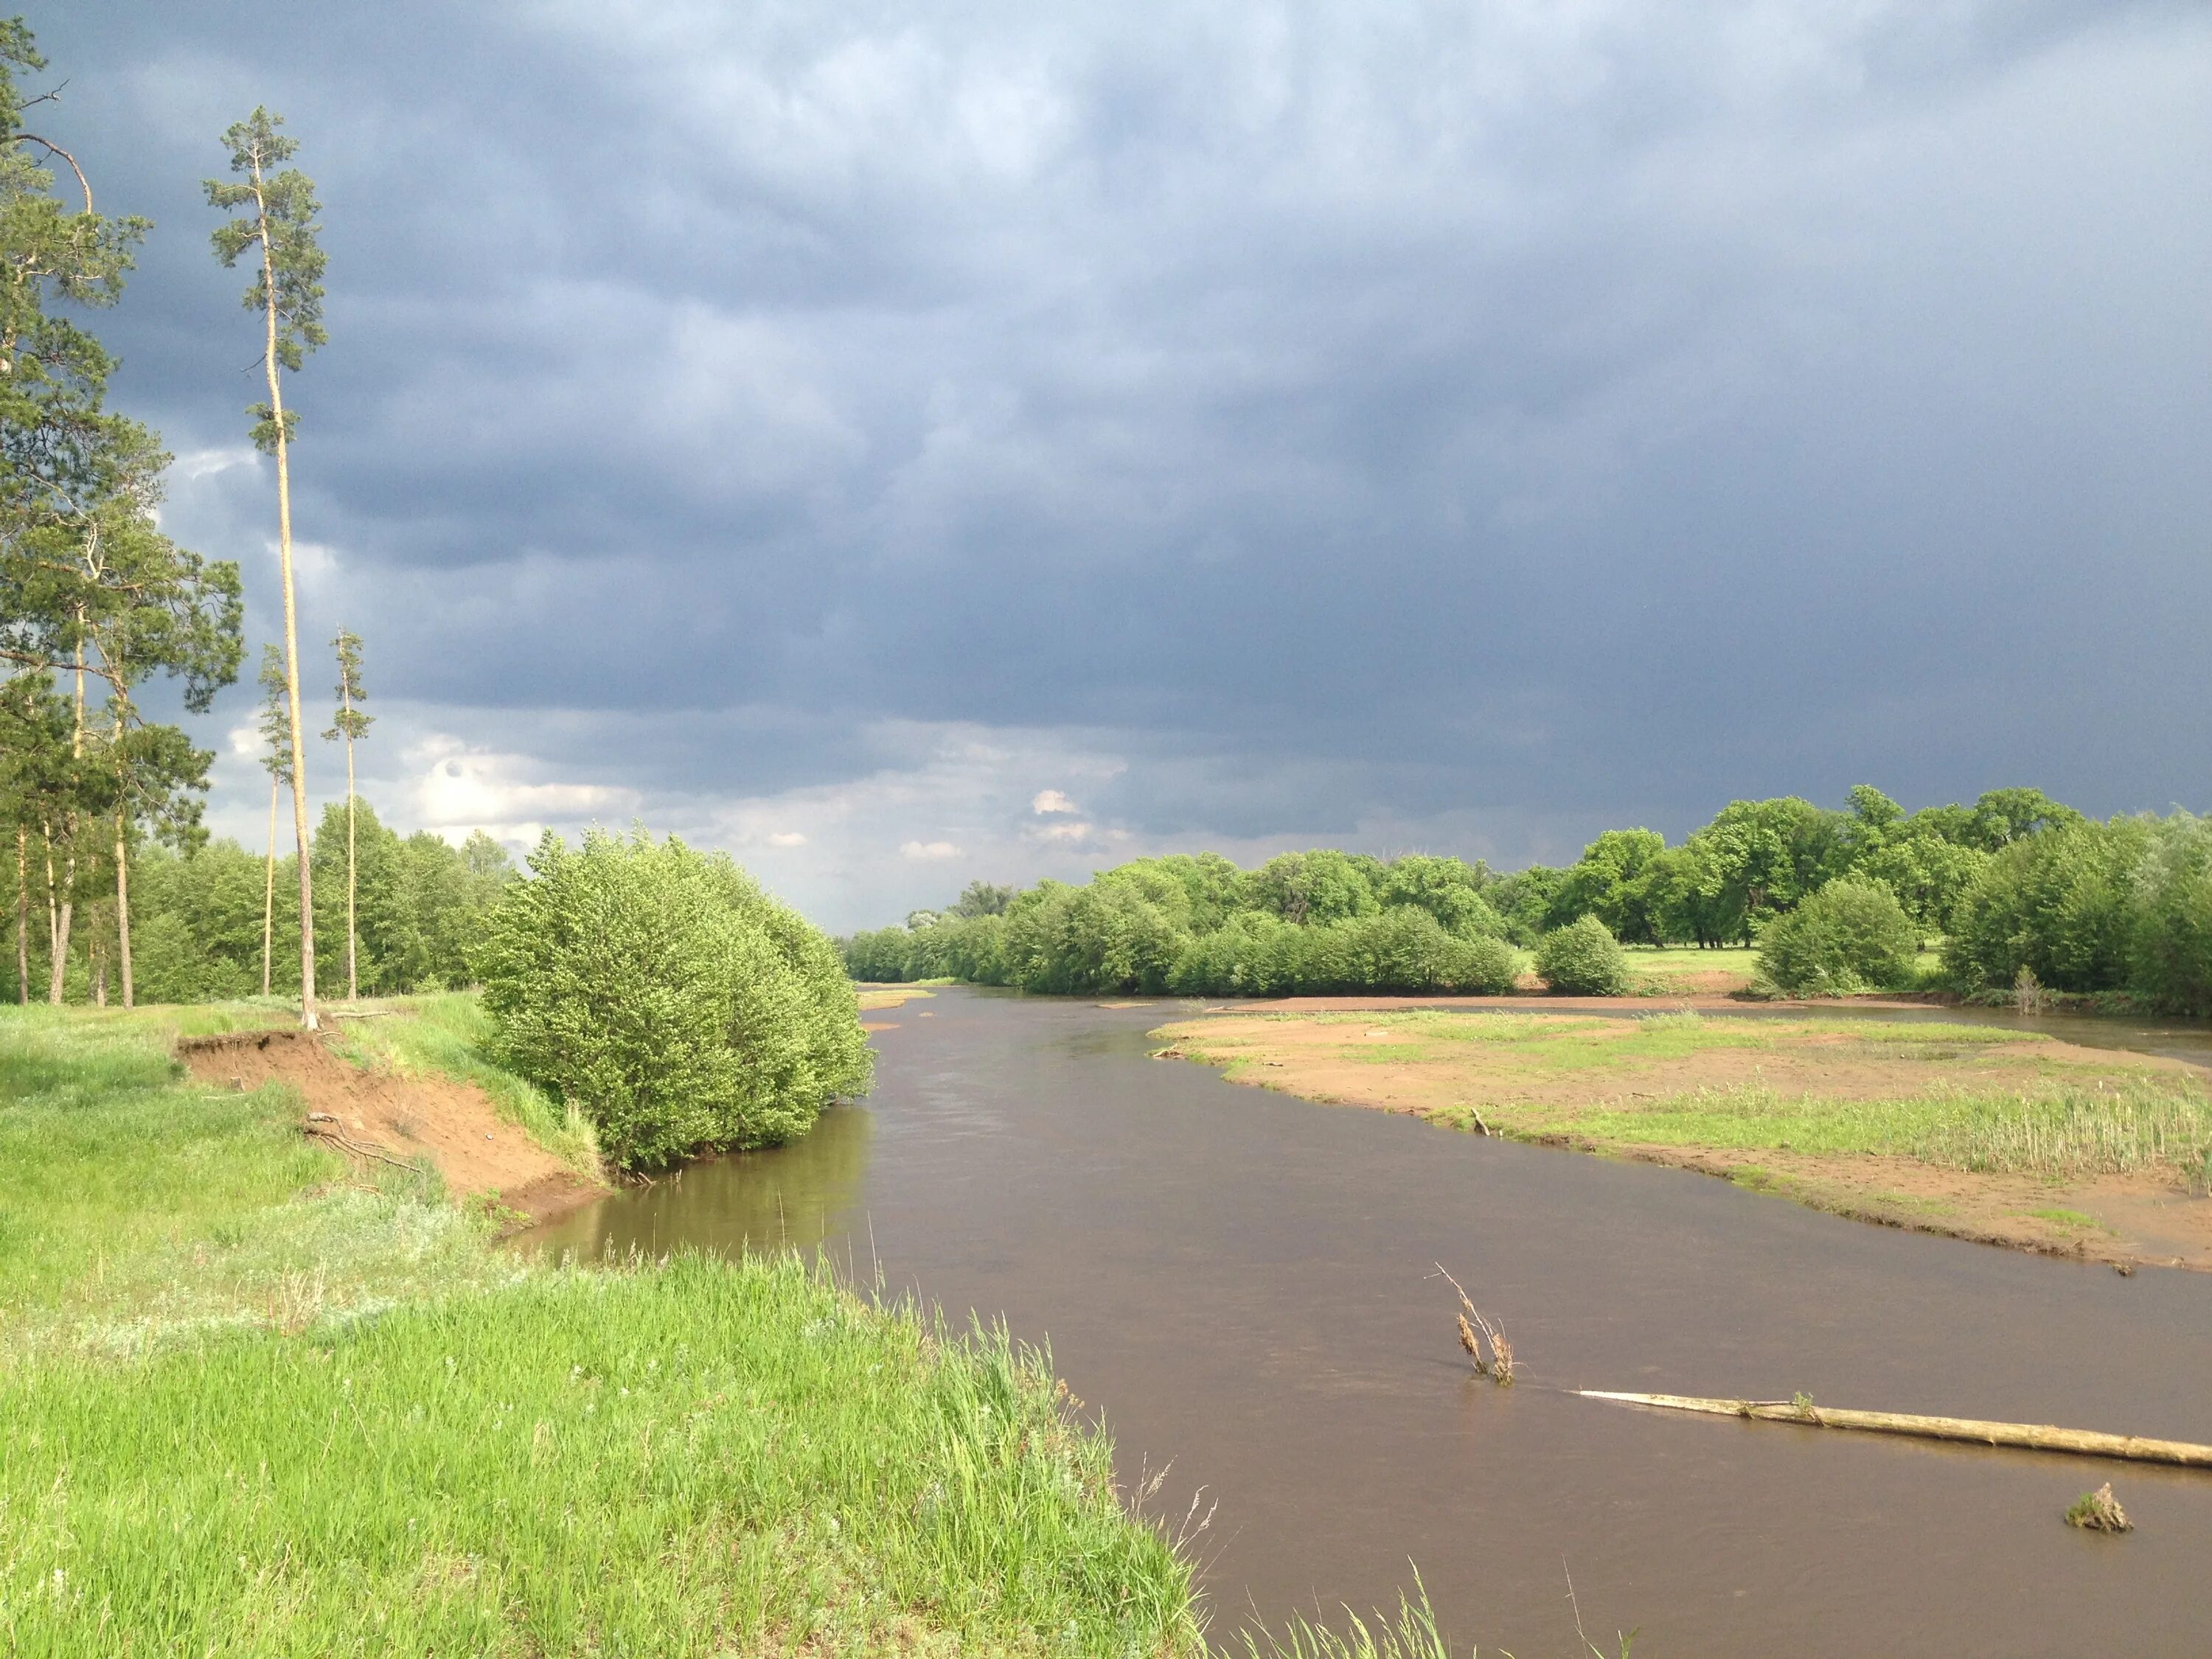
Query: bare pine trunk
pixel 60 966
pixel 60 940
pixel 123 909
pixel 57 925
pixel 23 914
pixel 269 891
pixel 308 1018
pixel 353 981
pixel 98 970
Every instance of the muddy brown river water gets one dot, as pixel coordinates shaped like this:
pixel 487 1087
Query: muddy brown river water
pixel 1238 1281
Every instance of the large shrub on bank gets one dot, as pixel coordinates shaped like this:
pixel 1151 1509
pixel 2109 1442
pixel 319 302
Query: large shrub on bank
pixel 661 991
pixel 1406 949
pixel 1582 959
pixel 1852 935
pixel 2061 902
pixel 2170 945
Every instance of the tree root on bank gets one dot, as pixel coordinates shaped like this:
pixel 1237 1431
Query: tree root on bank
pixel 324 1127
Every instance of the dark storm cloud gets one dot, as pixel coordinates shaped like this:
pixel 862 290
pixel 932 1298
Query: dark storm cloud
pixel 1503 419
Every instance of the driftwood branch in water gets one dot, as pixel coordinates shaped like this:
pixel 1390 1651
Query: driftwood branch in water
pixel 2031 1436
pixel 1501 1351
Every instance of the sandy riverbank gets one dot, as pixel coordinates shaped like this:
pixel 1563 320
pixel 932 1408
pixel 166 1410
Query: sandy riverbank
pixel 1980 1133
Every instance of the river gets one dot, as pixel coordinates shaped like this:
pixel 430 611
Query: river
pixel 1238 1282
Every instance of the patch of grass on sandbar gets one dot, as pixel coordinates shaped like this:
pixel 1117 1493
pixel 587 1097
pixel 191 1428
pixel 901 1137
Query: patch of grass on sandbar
pixel 2065 1132
pixel 1598 1043
pixel 703 1457
pixel 2058 1216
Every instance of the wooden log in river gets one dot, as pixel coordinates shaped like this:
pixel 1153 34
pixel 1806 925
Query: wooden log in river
pixel 2031 1436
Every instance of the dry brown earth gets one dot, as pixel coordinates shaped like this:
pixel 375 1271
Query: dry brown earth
pixel 479 1153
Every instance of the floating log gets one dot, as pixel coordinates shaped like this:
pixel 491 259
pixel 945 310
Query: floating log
pixel 2030 1437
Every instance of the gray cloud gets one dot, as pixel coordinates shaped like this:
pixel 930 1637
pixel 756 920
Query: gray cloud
pixel 1457 427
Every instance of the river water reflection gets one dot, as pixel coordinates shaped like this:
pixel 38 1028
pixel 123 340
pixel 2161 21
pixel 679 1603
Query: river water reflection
pixel 1237 1279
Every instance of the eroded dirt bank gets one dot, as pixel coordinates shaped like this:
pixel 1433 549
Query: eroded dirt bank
pixel 1731 1097
pixel 408 1117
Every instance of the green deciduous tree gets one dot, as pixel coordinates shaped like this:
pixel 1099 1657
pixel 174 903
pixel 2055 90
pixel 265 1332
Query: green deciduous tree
pixel 1318 886
pixel 279 225
pixel 2170 940
pixel 2058 902
pixel 1450 890
pixel 1607 882
pixel 1765 856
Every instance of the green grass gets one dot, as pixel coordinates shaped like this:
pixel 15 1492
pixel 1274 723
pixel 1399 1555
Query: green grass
pixel 2063 1133
pixel 250 1406
pixel 1563 1044
pixel 2064 1218
pixel 1652 963
pixel 137 1207
pixel 703 1457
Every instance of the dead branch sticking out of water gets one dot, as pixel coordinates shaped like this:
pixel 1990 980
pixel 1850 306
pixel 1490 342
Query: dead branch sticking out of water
pixel 2030 1437
pixel 2098 1511
pixel 1500 1367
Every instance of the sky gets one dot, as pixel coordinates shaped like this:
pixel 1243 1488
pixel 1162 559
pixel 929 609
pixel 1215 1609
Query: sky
pixel 904 445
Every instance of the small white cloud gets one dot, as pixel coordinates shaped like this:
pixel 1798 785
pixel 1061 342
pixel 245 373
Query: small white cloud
pixel 1051 800
pixel 928 850
pixel 786 838
pixel 460 787
pixel 193 464
pixel 1063 832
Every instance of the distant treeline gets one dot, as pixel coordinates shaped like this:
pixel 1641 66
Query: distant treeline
pixel 2016 881
pixel 196 933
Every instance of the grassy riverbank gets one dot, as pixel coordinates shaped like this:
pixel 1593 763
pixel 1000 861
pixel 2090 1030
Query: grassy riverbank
pixel 254 1402
pixel 1985 1132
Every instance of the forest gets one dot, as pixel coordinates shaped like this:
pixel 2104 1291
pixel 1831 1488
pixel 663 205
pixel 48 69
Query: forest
pixel 2016 889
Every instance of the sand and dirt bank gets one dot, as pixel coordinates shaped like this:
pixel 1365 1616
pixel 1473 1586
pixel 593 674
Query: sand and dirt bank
pixel 1994 1135
pixel 411 1117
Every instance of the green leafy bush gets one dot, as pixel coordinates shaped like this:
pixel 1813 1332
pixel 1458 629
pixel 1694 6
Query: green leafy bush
pixel 2170 950
pixel 1852 935
pixel 1582 959
pixel 2060 902
pixel 659 989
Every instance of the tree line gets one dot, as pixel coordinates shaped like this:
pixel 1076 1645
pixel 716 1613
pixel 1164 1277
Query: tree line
pixel 97 601
pixel 217 920
pixel 2015 882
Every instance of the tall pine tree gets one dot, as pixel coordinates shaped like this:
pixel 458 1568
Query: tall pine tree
pixel 279 223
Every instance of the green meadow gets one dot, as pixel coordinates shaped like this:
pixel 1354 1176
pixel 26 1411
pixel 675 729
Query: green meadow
pixel 253 1404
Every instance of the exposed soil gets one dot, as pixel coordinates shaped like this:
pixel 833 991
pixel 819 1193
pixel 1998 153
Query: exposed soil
pixel 477 1152
pixel 2145 1218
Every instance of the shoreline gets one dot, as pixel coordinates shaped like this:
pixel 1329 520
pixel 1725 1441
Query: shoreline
pixel 1731 1099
